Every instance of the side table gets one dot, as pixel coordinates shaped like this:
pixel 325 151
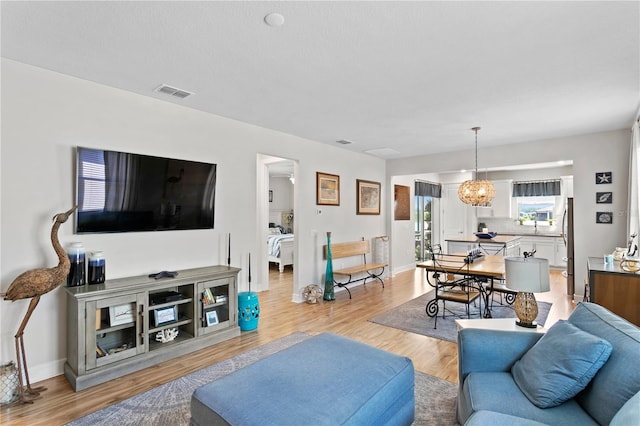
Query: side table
pixel 507 324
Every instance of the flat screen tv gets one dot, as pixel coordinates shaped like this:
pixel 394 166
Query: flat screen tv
pixel 124 192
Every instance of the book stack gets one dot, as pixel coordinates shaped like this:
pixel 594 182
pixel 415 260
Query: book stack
pixel 207 297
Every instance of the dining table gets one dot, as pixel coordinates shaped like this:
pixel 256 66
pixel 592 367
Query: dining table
pixel 484 268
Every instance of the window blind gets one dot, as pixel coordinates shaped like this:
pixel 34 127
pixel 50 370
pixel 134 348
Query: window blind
pixel 428 189
pixel 539 188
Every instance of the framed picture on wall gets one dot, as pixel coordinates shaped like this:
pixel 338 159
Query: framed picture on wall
pixel 604 197
pixel 604 217
pixel 401 202
pixel 604 177
pixel 368 197
pixel 327 189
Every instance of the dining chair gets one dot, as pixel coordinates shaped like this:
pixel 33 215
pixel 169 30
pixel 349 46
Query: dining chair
pixel 452 283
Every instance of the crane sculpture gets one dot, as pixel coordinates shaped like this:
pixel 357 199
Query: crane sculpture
pixel 33 284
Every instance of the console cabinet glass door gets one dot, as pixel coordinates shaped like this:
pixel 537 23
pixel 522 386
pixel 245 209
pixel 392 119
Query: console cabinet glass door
pixel 114 329
pixel 216 309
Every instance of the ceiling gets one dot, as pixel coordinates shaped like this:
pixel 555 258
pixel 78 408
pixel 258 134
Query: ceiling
pixel 398 79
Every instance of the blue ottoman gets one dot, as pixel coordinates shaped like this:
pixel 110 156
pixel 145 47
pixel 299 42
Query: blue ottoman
pixel 325 380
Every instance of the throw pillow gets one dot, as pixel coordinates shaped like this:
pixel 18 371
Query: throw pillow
pixel 560 364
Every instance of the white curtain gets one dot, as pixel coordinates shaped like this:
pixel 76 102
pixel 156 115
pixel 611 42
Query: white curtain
pixel 633 225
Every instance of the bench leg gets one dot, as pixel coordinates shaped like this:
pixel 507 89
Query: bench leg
pixel 343 285
pixel 377 276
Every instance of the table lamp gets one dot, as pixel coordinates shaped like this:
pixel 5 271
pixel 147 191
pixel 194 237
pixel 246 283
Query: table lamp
pixel 527 276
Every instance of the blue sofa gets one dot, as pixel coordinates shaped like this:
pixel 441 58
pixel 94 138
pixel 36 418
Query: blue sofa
pixel 498 386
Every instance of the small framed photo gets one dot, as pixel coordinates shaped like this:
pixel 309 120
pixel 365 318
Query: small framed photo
pixel 327 189
pixel 368 197
pixel 121 314
pixel 271 195
pixel 604 177
pixel 212 318
pixel 166 315
pixel 604 197
pixel 604 217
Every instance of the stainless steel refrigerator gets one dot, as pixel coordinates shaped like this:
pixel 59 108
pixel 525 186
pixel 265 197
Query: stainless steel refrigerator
pixel 567 235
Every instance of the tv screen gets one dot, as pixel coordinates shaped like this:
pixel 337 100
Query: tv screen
pixel 123 192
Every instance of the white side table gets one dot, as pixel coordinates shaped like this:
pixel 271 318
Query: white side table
pixel 507 324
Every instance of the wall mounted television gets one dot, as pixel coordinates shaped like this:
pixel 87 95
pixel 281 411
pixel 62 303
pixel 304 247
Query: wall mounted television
pixel 124 192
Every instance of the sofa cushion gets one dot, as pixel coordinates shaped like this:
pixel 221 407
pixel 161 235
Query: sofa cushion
pixel 499 393
pixel 629 414
pixel 484 418
pixel 619 379
pixel 560 364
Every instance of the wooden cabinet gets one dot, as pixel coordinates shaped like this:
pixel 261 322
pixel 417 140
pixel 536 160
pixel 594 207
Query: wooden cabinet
pixel 122 326
pixel 615 289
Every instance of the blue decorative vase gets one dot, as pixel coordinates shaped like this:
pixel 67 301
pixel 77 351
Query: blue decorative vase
pixel 328 275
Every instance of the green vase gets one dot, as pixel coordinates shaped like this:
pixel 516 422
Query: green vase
pixel 328 275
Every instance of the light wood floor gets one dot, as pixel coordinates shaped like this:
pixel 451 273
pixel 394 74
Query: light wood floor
pixel 279 317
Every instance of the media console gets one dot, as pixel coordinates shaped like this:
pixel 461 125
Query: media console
pixel 128 324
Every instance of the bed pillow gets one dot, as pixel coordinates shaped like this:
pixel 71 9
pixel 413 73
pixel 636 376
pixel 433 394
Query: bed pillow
pixel 274 231
pixel 560 364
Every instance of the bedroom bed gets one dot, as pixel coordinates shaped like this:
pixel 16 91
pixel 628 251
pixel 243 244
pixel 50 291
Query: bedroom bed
pixel 280 249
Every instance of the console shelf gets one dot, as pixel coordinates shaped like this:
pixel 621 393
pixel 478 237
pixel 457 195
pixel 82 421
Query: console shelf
pixel 111 327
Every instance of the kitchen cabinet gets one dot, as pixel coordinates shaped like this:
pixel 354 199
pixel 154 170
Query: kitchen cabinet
pixel 508 249
pixel 455 247
pixel 503 245
pixel 501 206
pixel 551 248
pixel 117 327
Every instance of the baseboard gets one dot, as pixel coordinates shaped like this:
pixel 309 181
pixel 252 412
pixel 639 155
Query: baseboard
pixel 404 268
pixel 46 370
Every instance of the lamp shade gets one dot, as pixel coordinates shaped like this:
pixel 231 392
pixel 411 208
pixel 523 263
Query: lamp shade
pixel 529 274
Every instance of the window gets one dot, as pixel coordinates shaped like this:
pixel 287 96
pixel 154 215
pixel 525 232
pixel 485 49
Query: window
pixel 534 211
pixel 539 202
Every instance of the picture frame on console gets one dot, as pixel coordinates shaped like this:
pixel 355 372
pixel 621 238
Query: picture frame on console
pixel 327 189
pixel 212 318
pixel 121 314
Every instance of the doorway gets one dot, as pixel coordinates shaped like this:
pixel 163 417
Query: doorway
pixel 276 222
pixel 423 227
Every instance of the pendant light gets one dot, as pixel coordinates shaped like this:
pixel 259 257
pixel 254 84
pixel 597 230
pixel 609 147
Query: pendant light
pixel 476 192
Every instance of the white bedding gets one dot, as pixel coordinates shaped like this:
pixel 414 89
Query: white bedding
pixel 274 241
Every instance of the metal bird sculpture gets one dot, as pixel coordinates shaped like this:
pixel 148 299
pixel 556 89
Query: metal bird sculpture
pixel 33 284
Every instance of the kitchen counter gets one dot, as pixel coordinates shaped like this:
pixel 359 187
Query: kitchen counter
pixel 530 234
pixel 498 239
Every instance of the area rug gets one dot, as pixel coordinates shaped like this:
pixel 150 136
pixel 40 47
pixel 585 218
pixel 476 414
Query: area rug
pixel 169 404
pixel 412 317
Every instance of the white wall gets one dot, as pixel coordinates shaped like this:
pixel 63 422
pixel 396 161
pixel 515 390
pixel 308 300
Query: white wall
pixel 282 198
pixel 46 114
pixel 599 152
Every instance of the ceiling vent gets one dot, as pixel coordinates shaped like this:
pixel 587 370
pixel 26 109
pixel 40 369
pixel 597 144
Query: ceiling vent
pixel 173 91
pixel 344 142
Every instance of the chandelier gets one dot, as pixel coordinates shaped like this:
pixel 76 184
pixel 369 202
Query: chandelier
pixel 476 192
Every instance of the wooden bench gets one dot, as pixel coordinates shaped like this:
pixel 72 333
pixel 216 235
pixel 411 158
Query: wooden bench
pixel 355 248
